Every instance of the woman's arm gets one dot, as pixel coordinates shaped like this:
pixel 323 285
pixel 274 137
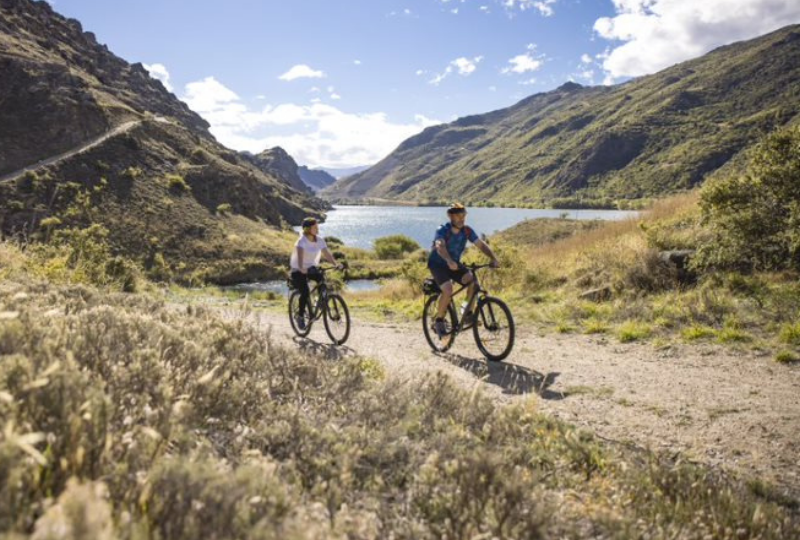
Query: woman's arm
pixel 329 257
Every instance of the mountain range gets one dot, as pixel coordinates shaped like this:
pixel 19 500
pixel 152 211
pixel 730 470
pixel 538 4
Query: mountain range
pixel 650 136
pixel 78 123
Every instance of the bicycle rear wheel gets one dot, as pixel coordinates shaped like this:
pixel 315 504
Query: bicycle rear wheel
pixel 294 314
pixel 336 317
pixel 493 328
pixel 438 344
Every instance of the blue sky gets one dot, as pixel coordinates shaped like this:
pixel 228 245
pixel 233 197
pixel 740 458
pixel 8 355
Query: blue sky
pixel 339 83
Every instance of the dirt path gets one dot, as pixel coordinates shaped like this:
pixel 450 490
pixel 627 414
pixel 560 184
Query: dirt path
pixel 717 406
pixel 122 128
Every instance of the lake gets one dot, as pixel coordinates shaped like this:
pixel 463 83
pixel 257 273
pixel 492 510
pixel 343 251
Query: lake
pixel 359 226
pixel 279 286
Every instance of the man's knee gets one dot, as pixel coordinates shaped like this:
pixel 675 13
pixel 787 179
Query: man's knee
pixel 447 288
pixel 467 279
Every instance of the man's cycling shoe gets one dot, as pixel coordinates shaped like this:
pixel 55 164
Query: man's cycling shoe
pixel 440 328
pixel 301 323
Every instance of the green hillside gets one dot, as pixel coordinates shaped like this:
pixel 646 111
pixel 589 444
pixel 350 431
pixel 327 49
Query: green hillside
pixel 89 139
pixel 654 135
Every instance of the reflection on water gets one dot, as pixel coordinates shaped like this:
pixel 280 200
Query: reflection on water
pixel 362 285
pixel 281 288
pixel 359 226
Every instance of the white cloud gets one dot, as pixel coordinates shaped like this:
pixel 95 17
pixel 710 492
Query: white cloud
pixel 335 96
pixel 464 66
pixel 301 71
pixel 317 135
pixel 660 33
pixel 529 82
pixel 159 71
pixel 586 59
pixel 420 72
pixel 208 95
pixel 523 63
pixel 545 7
pixel 357 62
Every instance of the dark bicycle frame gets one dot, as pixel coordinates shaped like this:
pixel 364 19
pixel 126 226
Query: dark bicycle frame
pixel 322 287
pixel 479 291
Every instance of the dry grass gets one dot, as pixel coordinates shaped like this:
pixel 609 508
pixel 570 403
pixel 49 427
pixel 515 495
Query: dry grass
pixel 123 418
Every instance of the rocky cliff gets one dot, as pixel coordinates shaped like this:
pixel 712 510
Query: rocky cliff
pixel 81 124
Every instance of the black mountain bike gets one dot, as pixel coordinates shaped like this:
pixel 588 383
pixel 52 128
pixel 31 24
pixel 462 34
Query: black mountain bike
pixel 321 303
pixel 491 321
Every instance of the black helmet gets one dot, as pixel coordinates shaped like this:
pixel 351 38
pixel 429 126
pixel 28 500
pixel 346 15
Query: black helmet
pixel 309 222
pixel 457 208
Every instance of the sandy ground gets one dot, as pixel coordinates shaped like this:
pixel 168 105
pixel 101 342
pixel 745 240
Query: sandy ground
pixel 731 409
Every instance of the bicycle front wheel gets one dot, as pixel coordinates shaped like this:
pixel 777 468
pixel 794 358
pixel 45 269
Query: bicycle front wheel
pixel 493 328
pixel 337 319
pixel 295 316
pixel 445 341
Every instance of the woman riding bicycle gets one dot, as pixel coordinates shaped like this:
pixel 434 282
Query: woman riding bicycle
pixel 306 256
pixel 444 261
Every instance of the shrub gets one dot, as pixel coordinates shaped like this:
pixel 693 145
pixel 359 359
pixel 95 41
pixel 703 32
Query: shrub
pixel 633 331
pixel 790 334
pixel 224 209
pixel 132 173
pixel 695 332
pixel 50 222
pixel 176 184
pixel 395 246
pixel 755 218
pixel 787 357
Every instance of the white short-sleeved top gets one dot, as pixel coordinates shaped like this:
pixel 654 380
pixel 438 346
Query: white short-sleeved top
pixel 312 252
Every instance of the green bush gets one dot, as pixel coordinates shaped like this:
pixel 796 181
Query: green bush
pixel 132 173
pixel 790 334
pixel 395 246
pixel 224 209
pixel 755 218
pixel 787 357
pixel 177 184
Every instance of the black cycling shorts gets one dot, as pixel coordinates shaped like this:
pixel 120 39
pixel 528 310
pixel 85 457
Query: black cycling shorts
pixel 443 274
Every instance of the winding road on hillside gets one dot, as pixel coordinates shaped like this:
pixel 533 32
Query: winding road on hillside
pixel 100 139
pixel 732 409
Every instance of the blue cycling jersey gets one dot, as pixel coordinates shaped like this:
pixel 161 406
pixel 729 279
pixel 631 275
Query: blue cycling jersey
pixel 456 244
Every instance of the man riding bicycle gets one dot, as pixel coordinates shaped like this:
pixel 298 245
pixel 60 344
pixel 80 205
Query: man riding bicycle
pixel 306 256
pixel 445 265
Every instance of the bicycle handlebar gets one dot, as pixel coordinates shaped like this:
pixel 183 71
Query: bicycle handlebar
pixel 474 267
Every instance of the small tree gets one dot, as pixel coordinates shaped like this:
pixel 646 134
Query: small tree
pixel 755 218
